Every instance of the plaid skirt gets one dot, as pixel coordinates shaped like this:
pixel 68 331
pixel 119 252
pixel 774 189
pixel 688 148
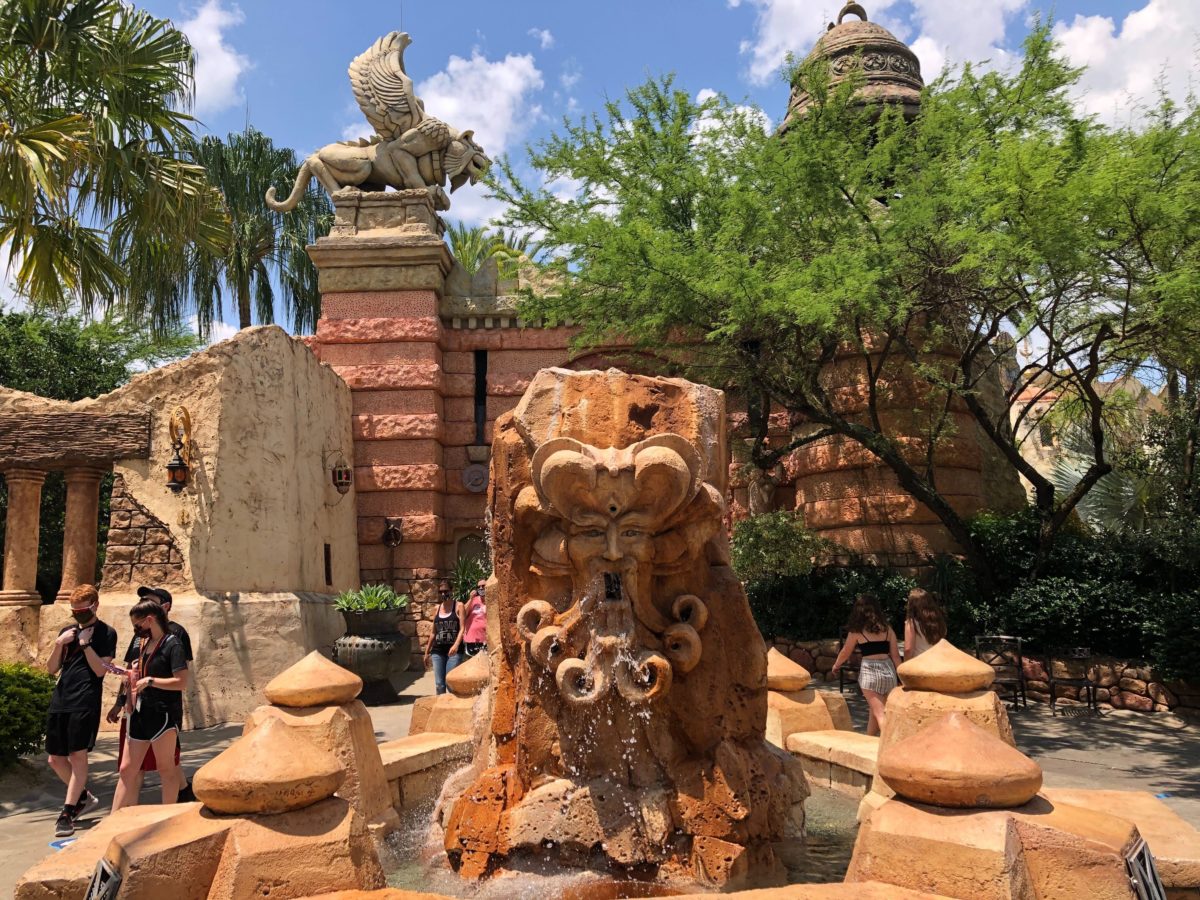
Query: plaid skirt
pixel 878 675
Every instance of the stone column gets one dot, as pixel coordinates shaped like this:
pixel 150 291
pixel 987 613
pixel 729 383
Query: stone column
pixel 79 532
pixel 21 537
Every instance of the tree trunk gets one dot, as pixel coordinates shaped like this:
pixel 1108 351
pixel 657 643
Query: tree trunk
pixel 243 302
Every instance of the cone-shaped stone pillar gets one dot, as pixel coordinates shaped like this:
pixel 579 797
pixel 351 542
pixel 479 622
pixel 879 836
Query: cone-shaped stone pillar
pixel 21 537
pixel 79 532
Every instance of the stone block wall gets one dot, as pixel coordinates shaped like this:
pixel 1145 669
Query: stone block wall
pixel 1121 683
pixel 140 548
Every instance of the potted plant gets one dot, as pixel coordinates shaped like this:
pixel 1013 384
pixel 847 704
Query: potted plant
pixel 372 609
pixel 373 647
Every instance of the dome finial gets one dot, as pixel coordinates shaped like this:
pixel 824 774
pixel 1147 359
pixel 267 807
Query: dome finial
pixel 852 7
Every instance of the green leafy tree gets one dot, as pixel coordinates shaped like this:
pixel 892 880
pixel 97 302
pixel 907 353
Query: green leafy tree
pixel 64 358
pixel 757 261
pixel 93 187
pixel 260 246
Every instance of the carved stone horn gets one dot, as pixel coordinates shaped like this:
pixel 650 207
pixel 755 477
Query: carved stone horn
pixel 670 466
pixel 563 472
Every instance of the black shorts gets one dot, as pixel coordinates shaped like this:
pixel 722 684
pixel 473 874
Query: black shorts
pixel 470 650
pixel 69 732
pixel 152 723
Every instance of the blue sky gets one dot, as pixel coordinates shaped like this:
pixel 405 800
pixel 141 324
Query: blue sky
pixel 512 70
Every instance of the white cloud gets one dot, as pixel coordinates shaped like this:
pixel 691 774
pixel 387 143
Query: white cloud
pixel 543 37
pixel 951 32
pixel 1126 64
pixel 218 66
pixel 793 26
pixel 753 113
pixel 946 30
pixel 570 76
pixel 220 331
pixel 490 96
pixel 493 97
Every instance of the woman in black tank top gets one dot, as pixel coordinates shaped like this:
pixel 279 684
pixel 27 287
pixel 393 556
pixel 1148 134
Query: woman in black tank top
pixel 870 634
pixel 445 638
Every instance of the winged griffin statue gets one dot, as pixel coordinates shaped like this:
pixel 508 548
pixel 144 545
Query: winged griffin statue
pixel 409 148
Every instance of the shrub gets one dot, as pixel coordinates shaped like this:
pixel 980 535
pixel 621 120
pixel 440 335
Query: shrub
pixel 369 598
pixel 24 699
pixel 467 573
pixel 817 605
pixel 774 545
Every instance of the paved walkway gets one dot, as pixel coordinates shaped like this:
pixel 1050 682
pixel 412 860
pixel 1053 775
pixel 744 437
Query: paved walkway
pixel 31 796
pixel 1119 751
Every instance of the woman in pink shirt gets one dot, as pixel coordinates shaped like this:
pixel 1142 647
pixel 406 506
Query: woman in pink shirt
pixel 474 633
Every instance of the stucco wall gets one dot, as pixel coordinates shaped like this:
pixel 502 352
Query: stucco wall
pixel 267 418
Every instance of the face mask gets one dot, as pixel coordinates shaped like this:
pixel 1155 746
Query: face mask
pixel 142 631
pixel 81 616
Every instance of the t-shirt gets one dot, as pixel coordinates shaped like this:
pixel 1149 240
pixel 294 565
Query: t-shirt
pixel 172 628
pixel 476 632
pixel 163 661
pixel 79 688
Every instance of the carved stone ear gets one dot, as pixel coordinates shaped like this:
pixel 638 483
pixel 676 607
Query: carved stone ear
pixel 550 552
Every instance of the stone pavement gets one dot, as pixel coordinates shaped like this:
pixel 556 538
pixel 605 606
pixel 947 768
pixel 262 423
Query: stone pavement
pixel 31 795
pixel 1121 750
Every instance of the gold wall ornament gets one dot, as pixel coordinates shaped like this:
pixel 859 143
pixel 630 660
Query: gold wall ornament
pixel 179 427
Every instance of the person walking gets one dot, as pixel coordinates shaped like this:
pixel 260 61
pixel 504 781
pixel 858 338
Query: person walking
pixel 81 655
pixel 163 597
pixel 924 623
pixel 869 631
pixel 475 621
pixel 445 638
pixel 155 703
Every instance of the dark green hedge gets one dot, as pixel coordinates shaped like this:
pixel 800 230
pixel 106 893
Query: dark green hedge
pixel 24 698
pixel 1133 596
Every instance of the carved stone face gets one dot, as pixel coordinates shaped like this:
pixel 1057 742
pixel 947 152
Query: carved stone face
pixel 612 520
pixel 465 161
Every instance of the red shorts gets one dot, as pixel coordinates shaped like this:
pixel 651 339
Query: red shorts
pixel 149 764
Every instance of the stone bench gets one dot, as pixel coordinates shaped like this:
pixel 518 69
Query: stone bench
pixel 1174 843
pixel 416 766
pixel 841 760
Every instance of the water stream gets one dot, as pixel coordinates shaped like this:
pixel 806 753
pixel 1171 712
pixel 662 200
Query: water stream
pixel 822 857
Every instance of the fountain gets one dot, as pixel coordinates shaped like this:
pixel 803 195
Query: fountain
pixel 628 694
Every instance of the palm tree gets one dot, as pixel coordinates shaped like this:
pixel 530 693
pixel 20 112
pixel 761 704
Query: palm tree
pixel 92 183
pixel 473 246
pixel 260 244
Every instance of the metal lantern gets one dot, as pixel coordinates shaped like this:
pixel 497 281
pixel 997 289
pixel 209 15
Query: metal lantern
pixel 180 429
pixel 177 472
pixel 343 477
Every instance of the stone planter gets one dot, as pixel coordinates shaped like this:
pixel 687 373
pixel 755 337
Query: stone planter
pixel 374 649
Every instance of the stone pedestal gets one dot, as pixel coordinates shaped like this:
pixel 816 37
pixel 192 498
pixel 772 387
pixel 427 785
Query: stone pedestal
pixel 21 537
pixel 79 532
pixel 346 732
